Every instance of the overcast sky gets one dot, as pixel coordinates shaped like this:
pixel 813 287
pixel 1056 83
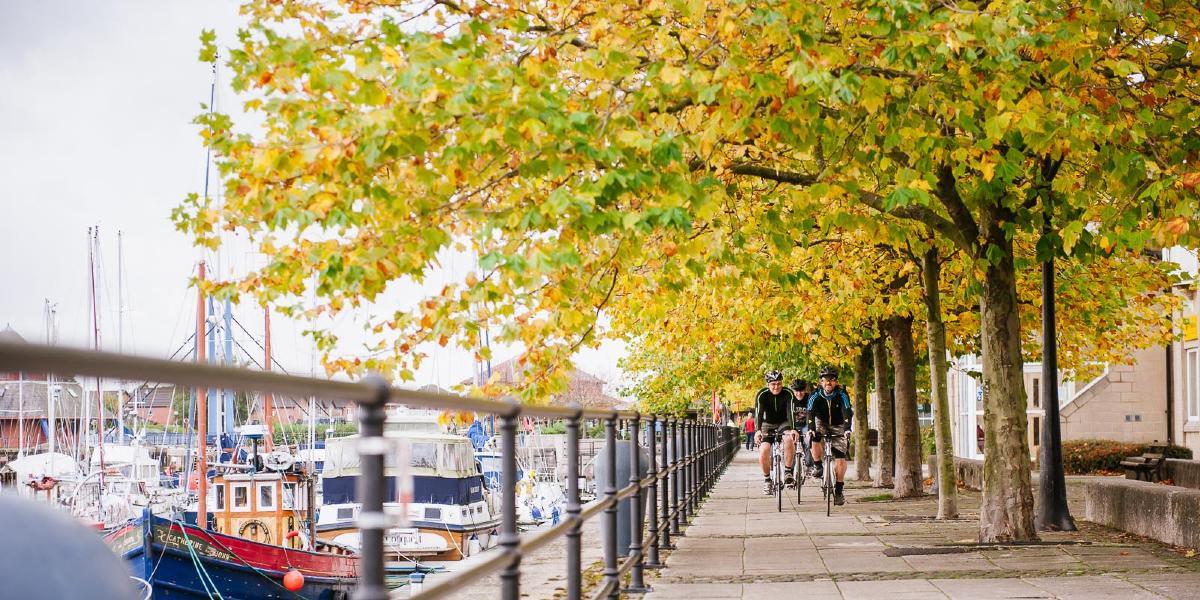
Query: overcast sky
pixel 95 130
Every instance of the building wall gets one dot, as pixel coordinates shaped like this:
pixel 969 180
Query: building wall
pixel 1127 404
pixel 1186 371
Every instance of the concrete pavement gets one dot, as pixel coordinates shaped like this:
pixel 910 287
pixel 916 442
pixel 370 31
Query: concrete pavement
pixel 740 546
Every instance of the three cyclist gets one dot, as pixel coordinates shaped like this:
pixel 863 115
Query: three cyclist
pixel 829 413
pixel 774 407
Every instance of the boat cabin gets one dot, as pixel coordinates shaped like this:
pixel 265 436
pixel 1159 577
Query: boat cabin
pixel 261 506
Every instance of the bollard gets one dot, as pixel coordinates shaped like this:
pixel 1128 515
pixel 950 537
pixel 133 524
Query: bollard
pixel 371 485
pixel 510 577
pixel 416 583
pixel 575 534
pixel 652 559
pixel 611 574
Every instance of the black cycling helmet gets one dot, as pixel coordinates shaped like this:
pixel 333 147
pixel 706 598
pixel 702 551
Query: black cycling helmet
pixel 799 384
pixel 774 375
pixel 828 373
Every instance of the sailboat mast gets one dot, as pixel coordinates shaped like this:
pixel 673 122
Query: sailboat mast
pixel 201 408
pixel 51 424
pixel 268 398
pixel 120 336
pixel 92 248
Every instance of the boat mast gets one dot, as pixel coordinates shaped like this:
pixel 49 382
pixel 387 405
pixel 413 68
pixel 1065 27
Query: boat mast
pixel 93 247
pixel 50 340
pixel 201 408
pixel 268 398
pixel 120 337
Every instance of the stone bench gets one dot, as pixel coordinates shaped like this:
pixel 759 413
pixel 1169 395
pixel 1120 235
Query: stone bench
pixel 1166 513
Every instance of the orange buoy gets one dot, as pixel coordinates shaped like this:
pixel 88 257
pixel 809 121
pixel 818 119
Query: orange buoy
pixel 291 534
pixel 293 580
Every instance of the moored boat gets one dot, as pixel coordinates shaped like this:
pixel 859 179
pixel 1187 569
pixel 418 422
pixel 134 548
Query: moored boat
pixel 177 560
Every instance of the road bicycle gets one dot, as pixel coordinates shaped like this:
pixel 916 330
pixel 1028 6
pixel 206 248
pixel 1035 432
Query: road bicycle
pixel 775 438
pixel 827 471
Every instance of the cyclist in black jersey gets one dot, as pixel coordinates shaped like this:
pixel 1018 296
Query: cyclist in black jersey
pixel 774 417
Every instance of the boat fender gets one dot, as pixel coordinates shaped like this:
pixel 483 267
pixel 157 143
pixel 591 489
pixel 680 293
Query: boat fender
pixel 293 580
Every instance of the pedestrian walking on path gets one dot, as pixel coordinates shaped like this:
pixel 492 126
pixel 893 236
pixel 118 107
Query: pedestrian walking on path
pixel 749 432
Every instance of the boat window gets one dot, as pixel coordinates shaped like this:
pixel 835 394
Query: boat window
pixel 345 514
pixel 221 497
pixel 266 496
pixel 433 513
pixel 289 495
pixel 424 455
pixel 457 458
pixel 241 497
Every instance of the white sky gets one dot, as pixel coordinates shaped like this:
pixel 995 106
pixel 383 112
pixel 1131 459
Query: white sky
pixel 96 104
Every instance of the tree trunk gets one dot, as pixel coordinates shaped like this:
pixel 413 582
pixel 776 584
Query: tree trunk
pixel 887 453
pixel 938 368
pixel 1006 513
pixel 907 480
pixel 862 447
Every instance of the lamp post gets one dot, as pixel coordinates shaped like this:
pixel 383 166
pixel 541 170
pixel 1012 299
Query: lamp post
pixel 1053 512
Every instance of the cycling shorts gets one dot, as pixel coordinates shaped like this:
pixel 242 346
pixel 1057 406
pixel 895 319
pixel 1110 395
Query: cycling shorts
pixel 837 446
pixel 771 433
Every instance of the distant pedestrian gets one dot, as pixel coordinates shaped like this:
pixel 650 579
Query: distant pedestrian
pixel 749 432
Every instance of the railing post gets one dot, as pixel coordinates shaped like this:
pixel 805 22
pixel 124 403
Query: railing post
pixel 665 527
pixel 676 514
pixel 689 468
pixel 611 574
pixel 652 560
pixel 575 534
pixel 510 577
pixel 695 441
pixel 372 521
pixel 637 504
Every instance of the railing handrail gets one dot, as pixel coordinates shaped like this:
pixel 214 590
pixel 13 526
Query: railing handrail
pixel 692 456
pixel 63 360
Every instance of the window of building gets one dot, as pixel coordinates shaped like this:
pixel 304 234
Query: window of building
pixel 1192 373
pixel 221 497
pixel 1037 431
pixel 1037 394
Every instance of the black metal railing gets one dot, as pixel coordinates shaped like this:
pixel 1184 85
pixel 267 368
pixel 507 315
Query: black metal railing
pixel 692 454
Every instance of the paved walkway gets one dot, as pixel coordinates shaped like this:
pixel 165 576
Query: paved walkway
pixel 739 546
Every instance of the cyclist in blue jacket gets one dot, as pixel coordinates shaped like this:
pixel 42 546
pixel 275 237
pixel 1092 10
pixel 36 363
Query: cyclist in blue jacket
pixel 829 413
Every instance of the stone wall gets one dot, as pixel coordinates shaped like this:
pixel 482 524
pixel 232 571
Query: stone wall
pixel 1184 473
pixel 1166 513
pixel 969 472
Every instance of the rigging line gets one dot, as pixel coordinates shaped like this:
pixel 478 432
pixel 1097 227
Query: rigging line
pixel 274 361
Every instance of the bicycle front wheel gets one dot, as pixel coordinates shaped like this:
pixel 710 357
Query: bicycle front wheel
pixel 778 486
pixel 828 487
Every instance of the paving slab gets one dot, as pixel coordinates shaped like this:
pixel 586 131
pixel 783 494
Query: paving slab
pixel 989 589
pixel 1100 587
pixel 907 589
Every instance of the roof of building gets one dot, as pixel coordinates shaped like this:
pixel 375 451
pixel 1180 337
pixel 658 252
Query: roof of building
pixel 10 335
pixel 154 395
pixel 582 387
pixel 28 400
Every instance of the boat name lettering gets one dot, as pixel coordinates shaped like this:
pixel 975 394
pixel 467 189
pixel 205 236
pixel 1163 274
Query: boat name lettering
pixel 177 540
